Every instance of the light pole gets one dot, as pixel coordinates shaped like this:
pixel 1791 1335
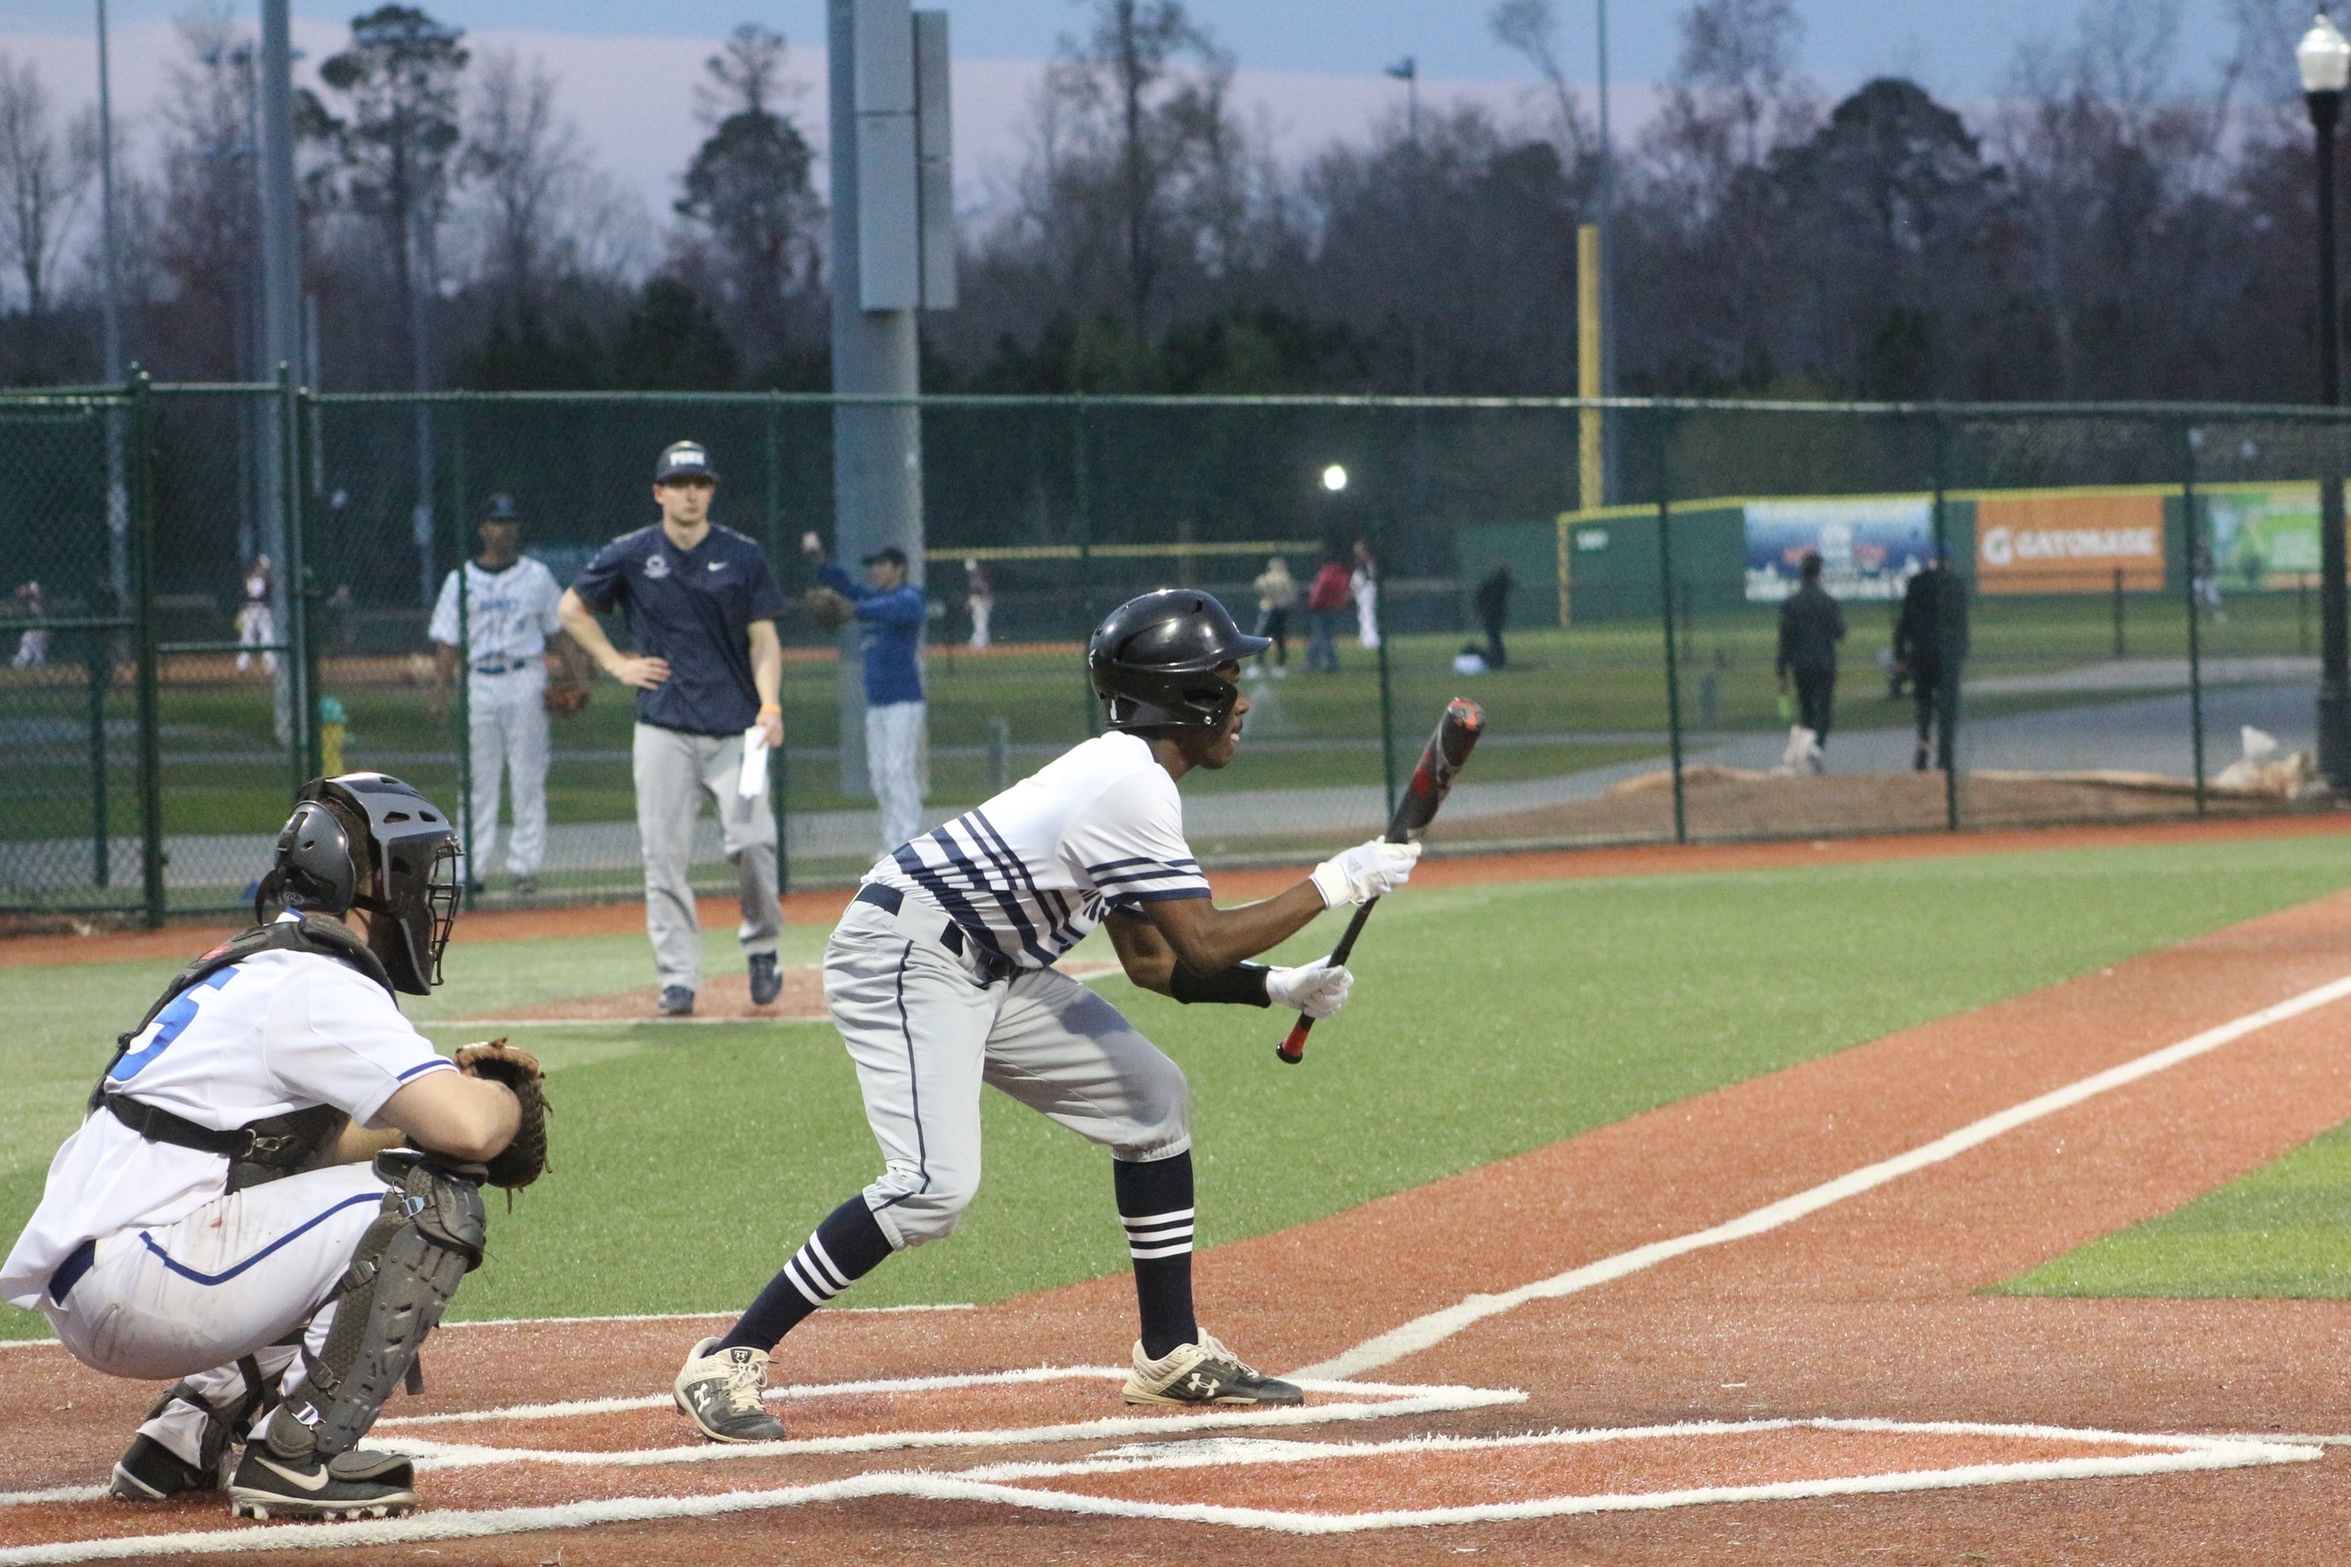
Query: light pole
pixel 2324 58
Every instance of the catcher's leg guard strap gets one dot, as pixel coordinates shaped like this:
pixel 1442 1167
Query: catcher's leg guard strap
pixel 404 1271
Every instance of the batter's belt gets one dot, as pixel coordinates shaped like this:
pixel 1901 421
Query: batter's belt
pixel 923 922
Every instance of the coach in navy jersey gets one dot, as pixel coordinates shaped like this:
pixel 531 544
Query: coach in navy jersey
pixel 941 978
pixel 701 606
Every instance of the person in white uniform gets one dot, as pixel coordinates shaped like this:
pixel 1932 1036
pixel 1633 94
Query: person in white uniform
pixel 941 978
pixel 509 633
pixel 238 1167
pixel 257 624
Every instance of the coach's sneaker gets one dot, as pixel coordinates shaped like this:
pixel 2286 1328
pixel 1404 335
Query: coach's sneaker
pixel 719 1390
pixel 353 1485
pixel 1204 1373
pixel 767 981
pixel 676 1001
pixel 149 1472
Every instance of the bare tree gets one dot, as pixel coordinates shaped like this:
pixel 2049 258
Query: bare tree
pixel 46 166
pixel 523 163
pixel 1530 29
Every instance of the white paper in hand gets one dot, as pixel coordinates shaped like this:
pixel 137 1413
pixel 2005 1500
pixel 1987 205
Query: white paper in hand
pixel 753 783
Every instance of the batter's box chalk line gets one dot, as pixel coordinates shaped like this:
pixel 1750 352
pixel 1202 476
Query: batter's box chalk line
pixel 1012 1485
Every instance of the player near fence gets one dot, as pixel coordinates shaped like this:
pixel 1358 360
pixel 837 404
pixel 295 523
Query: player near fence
pixel 941 978
pixel 701 606
pixel 1930 642
pixel 257 622
pixel 889 612
pixel 238 1209
pixel 1811 625
pixel 520 665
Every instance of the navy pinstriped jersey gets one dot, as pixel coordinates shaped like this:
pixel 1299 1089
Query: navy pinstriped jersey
pixel 1030 872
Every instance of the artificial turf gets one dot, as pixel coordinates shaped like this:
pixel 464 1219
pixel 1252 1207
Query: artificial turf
pixel 689 1162
pixel 2283 1231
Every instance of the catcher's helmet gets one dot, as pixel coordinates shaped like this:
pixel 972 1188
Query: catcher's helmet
pixel 369 841
pixel 1154 660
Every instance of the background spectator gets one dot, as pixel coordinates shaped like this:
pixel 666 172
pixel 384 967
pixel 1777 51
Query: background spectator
pixel 979 596
pixel 1277 596
pixel 1493 607
pixel 1363 583
pixel 1811 626
pixel 889 612
pixel 1327 599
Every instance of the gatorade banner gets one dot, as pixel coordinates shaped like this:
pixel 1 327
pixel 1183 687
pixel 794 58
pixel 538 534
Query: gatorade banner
pixel 1869 548
pixel 2060 543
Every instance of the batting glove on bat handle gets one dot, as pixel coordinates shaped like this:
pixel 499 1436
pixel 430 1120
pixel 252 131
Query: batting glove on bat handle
pixel 1365 872
pixel 1316 989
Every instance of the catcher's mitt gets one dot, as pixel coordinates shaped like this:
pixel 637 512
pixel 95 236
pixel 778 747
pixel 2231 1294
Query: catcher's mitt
pixel 829 609
pixel 566 698
pixel 524 1158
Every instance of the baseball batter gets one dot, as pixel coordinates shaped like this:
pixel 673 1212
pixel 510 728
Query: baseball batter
pixel 509 628
pixel 941 977
pixel 236 1210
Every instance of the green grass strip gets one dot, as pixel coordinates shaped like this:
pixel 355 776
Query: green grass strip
pixel 2281 1233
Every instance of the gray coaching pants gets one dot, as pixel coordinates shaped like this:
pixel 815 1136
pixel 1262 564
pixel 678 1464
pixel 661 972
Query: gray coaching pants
pixel 674 770
pixel 925 1033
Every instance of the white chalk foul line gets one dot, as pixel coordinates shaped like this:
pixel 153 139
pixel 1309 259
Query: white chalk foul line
pixel 1425 1332
pixel 459 1455
pixel 2164 1454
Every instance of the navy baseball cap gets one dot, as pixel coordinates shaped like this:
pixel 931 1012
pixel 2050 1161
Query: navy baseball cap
pixel 683 460
pixel 500 508
pixel 888 554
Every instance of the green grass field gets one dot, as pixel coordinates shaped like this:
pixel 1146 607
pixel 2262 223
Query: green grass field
pixel 2283 1231
pixel 690 1161
pixel 1584 688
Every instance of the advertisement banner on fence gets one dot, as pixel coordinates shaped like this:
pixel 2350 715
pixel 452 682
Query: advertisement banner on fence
pixel 1869 548
pixel 2068 543
pixel 2258 534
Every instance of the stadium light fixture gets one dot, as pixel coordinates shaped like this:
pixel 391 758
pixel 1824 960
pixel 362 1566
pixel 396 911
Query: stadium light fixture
pixel 1334 478
pixel 2324 59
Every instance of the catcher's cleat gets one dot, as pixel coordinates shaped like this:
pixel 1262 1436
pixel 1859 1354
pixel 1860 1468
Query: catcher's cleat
pixel 354 1485
pixel 149 1472
pixel 767 981
pixel 676 1001
pixel 719 1390
pixel 1201 1374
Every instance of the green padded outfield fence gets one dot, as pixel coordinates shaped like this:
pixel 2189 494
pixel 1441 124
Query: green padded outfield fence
pixel 2141 606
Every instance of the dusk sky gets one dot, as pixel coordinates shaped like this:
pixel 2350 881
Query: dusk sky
pixel 1312 68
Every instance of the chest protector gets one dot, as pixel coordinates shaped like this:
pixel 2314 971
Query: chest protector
pixel 274 1146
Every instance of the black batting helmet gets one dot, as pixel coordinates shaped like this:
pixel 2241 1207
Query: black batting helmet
pixel 369 841
pixel 1154 660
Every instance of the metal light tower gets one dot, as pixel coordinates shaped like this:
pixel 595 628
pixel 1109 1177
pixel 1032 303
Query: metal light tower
pixel 2324 59
pixel 118 506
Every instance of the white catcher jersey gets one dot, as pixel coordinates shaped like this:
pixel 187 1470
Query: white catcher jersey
pixel 279 1032
pixel 1030 872
pixel 509 615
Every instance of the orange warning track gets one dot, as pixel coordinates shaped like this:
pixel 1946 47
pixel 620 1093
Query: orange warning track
pixel 1867 1309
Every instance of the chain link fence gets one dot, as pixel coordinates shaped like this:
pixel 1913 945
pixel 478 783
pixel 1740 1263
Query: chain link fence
pixel 227 589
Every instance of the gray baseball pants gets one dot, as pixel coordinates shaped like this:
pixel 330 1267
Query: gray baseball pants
pixel 673 771
pixel 925 1031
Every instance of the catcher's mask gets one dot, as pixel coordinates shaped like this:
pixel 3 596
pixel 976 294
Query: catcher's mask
pixel 368 841
pixel 1154 661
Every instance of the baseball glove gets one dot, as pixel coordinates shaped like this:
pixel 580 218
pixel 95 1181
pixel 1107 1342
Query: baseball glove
pixel 566 698
pixel 524 1158
pixel 829 609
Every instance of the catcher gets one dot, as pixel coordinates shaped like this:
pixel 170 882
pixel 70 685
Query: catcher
pixel 278 1186
pixel 521 666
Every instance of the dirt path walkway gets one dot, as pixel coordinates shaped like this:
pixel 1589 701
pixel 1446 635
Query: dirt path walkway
pixel 1865 1309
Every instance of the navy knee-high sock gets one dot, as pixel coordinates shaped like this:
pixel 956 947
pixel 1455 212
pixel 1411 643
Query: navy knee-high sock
pixel 846 1246
pixel 1155 1204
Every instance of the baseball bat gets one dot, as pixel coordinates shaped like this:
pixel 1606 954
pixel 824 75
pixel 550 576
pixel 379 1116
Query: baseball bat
pixel 1432 780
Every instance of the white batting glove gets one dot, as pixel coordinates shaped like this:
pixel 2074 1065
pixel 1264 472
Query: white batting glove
pixel 1316 988
pixel 1365 872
